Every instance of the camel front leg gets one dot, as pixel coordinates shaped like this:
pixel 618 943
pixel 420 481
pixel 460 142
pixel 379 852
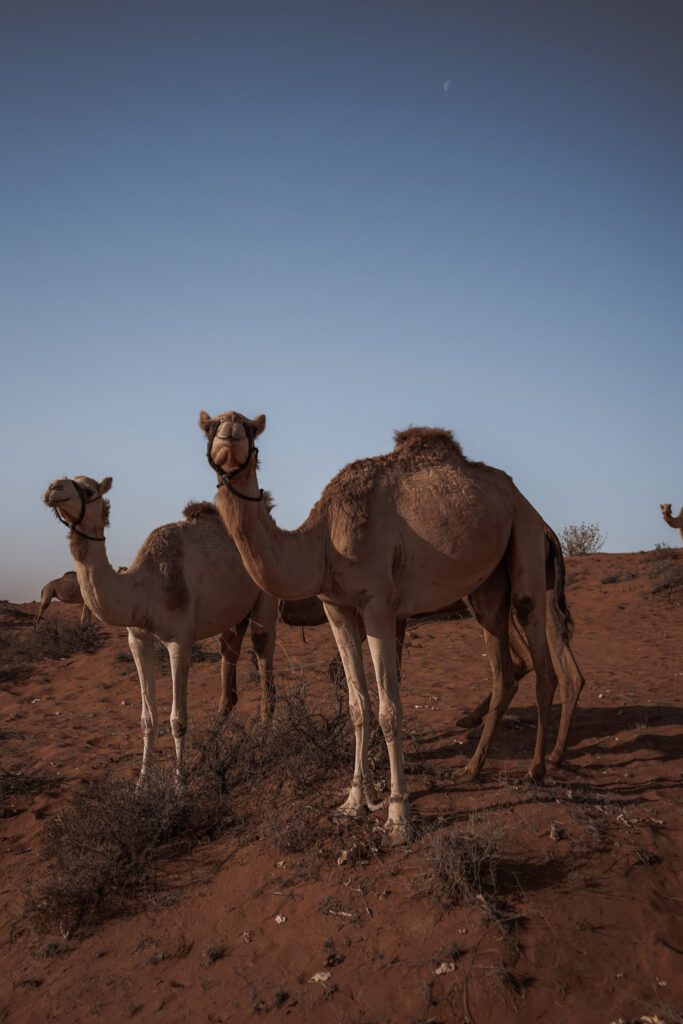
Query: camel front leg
pixel 144 655
pixel 380 623
pixel 179 654
pixel 401 625
pixel 344 625
pixel 230 645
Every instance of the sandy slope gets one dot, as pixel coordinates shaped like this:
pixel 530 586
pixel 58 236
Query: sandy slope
pixel 600 933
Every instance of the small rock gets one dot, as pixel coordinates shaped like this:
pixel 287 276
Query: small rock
pixel 342 858
pixel 556 832
pixel 280 919
pixel 321 976
pixel 446 967
pixel 248 936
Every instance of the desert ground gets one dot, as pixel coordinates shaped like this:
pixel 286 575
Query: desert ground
pixel 560 902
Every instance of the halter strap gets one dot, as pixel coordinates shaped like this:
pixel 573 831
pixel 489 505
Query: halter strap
pixel 84 501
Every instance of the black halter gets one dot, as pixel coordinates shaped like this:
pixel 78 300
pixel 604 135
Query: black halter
pixel 84 501
pixel 225 478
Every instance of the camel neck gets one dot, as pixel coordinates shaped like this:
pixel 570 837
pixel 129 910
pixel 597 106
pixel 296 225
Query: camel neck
pixel 284 563
pixel 106 592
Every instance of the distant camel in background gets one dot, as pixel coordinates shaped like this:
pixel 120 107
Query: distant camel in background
pixel 65 589
pixel 674 521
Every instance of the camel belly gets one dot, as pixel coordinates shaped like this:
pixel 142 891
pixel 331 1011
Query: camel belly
pixel 434 570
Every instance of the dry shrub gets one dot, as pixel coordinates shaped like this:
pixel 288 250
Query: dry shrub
pixel 52 639
pixel 101 852
pixel 465 865
pixel 308 741
pixel 669 586
pixel 581 538
pixel 665 568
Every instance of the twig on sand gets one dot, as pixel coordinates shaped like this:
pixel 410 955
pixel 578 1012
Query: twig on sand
pixel 465 1001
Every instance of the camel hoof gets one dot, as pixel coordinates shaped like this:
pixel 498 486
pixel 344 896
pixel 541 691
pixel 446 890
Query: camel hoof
pixel 555 758
pixel 469 722
pixel 351 809
pixel 537 772
pixel 397 833
pixel 471 770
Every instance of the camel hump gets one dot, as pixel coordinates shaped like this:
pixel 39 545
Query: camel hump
pixel 195 510
pixel 415 440
pixel 161 555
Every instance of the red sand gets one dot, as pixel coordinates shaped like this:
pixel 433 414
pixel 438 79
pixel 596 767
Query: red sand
pixel 602 935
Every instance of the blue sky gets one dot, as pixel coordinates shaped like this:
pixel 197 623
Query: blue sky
pixel 283 208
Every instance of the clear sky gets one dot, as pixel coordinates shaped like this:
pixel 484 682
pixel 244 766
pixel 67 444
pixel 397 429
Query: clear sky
pixel 352 216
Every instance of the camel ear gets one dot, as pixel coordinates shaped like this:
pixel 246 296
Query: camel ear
pixel 105 485
pixel 259 425
pixel 204 420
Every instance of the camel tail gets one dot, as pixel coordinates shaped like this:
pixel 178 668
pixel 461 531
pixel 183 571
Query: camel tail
pixel 555 580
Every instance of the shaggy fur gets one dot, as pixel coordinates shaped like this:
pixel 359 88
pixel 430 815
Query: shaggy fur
pixel 163 549
pixel 195 510
pixel 426 439
pixel 417 448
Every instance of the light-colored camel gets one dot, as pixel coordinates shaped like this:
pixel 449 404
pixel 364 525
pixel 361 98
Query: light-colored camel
pixel 675 521
pixel 390 537
pixel 187 583
pixel 66 590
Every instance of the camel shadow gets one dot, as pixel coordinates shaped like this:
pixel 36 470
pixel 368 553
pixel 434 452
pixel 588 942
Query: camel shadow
pixel 515 737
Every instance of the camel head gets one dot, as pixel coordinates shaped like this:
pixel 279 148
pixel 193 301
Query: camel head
pixel 666 510
pixel 230 439
pixel 76 501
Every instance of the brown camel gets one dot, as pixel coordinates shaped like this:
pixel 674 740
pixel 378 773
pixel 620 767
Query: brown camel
pixel 187 583
pixel 66 590
pixel 392 536
pixel 675 521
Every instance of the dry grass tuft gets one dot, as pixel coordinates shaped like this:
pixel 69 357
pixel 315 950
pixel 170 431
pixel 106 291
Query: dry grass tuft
pixel 52 639
pixel 102 851
pixel 465 865
pixel 306 743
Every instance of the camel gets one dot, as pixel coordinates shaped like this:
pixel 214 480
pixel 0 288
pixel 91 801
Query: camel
pixel 66 590
pixel 392 536
pixel 675 521
pixel 187 583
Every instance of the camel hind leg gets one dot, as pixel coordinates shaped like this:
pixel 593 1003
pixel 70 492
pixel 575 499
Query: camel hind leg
pixel 86 615
pixel 180 654
pixel 263 626
pixel 46 596
pixel 569 675
pixel 491 606
pixel 230 645
pixel 526 565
